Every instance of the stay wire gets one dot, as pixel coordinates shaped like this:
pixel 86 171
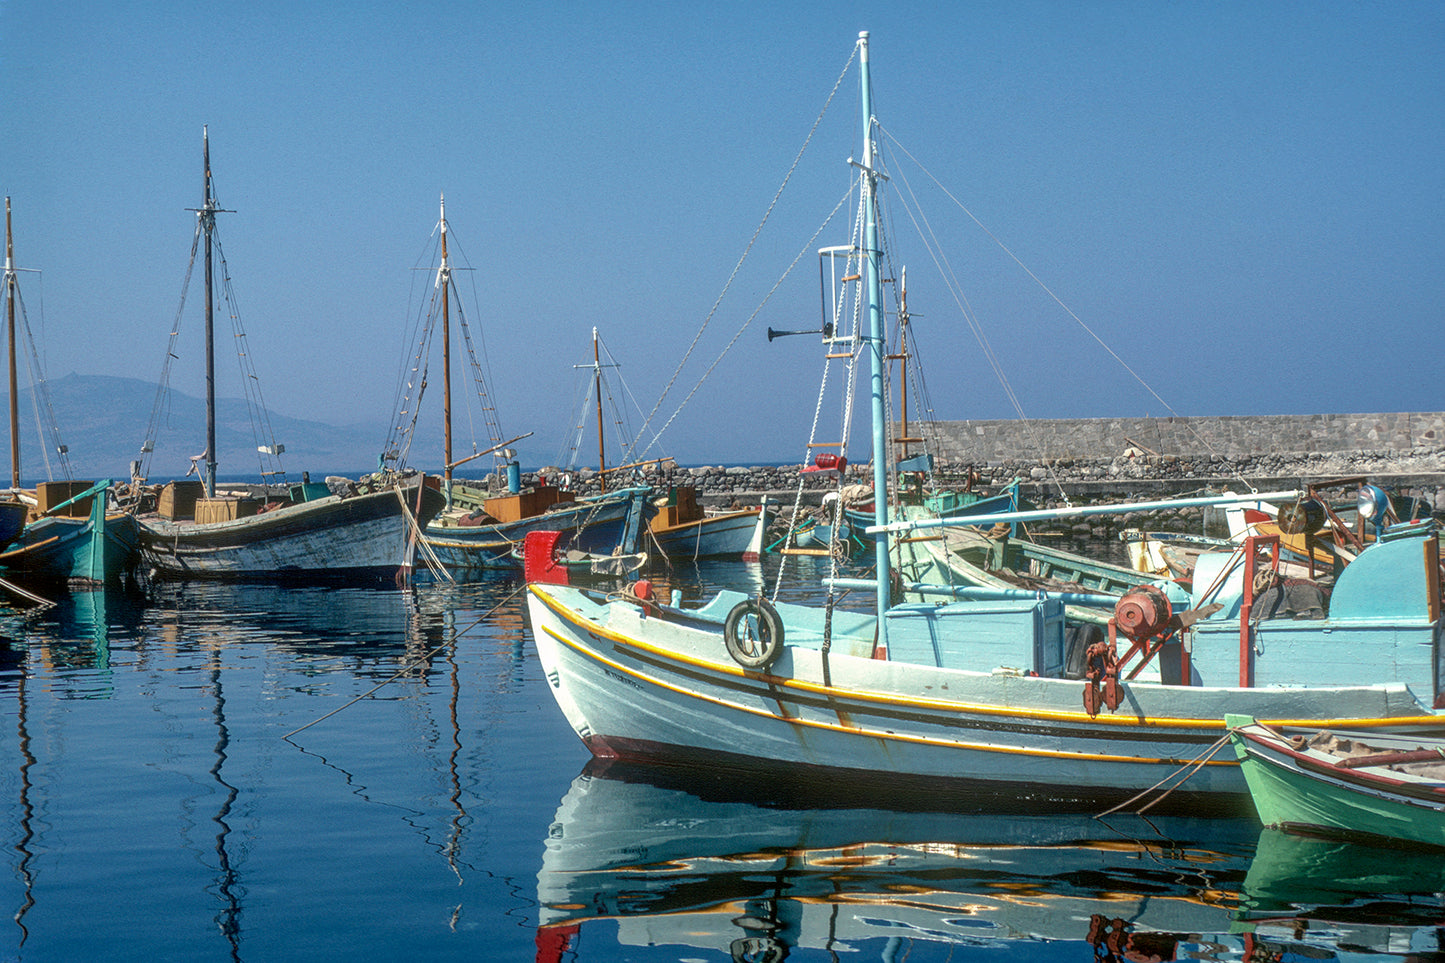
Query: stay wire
pixel 738 266
pixel 945 269
pixel 1067 310
pixel 742 328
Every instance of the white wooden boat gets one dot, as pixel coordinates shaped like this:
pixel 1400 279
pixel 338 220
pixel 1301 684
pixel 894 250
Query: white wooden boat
pixel 978 692
pixel 290 533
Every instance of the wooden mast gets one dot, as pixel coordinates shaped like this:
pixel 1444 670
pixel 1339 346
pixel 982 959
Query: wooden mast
pixel 10 284
pixel 597 386
pixel 444 280
pixel 207 214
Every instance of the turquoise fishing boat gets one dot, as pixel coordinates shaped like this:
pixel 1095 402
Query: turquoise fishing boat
pixel 64 530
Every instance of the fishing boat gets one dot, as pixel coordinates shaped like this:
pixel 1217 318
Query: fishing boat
pixel 978 691
pixel 274 531
pixel 62 531
pixel 1338 783
pixel 484 522
pixel 1316 539
pixel 682 529
pixel 994 559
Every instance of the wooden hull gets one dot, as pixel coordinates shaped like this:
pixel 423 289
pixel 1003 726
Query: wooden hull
pixel 359 537
pixel 715 536
pixel 97 549
pixel 1300 788
pixel 968 557
pixel 661 686
pixel 13 515
pixel 598 526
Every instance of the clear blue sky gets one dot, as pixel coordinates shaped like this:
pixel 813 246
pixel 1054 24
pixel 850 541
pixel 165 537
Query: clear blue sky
pixel 1245 201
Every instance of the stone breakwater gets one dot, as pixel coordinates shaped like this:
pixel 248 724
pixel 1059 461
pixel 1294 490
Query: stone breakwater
pixel 1134 476
pixel 963 442
pixel 1420 473
pixel 1097 460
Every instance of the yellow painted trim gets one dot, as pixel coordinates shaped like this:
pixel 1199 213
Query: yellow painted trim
pixel 1079 718
pixel 873 733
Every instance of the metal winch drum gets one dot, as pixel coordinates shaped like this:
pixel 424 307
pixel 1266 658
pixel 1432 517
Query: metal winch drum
pixel 1142 612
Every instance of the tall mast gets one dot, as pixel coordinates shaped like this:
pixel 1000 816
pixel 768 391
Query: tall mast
pixel 10 284
pixel 877 347
pixel 903 439
pixel 207 214
pixel 444 282
pixel 597 387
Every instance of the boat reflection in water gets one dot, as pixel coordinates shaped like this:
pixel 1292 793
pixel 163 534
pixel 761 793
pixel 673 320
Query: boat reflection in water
pixel 700 866
pixel 679 858
pixel 1377 898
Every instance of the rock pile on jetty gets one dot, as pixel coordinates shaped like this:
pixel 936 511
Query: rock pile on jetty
pixel 1132 476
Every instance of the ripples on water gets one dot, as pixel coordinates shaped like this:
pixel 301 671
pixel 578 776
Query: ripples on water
pixel 155 809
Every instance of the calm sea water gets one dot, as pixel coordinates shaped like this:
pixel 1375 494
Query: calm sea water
pixel 154 808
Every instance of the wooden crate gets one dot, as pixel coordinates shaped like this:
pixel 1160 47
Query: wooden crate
pixel 178 499
pixel 511 508
pixel 681 507
pixel 52 493
pixel 211 510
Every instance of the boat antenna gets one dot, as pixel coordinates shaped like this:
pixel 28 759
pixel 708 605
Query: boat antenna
pixel 877 346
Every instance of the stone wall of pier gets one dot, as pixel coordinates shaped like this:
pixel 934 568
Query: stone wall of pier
pixel 1094 460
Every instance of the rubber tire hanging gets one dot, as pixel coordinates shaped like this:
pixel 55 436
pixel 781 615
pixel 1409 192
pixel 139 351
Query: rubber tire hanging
pixel 762 642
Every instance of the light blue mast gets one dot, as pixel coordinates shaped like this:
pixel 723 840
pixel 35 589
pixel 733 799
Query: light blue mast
pixel 873 278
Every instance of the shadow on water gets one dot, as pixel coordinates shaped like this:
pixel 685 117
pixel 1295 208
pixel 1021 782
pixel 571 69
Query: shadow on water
pixel 663 858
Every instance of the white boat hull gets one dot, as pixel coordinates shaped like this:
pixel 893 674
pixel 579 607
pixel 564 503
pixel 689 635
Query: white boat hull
pixel 659 687
pixel 358 537
pixel 717 535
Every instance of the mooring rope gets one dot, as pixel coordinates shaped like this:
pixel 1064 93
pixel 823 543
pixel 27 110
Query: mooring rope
pixel 1192 766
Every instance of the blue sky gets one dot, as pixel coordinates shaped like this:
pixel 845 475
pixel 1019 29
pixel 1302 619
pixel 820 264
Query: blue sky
pixel 1244 201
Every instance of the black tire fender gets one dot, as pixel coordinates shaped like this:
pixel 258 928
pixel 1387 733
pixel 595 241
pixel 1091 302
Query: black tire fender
pixel 753 633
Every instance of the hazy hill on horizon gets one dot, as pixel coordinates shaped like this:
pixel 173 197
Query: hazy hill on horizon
pixel 102 421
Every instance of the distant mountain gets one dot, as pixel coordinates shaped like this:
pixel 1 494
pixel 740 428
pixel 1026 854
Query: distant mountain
pixel 102 422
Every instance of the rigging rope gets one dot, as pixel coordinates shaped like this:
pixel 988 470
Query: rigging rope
pixel 162 400
pixel 413 375
pixel 1069 311
pixel 750 319
pixel 268 452
pixel 955 287
pixel 738 266
pixel 42 406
